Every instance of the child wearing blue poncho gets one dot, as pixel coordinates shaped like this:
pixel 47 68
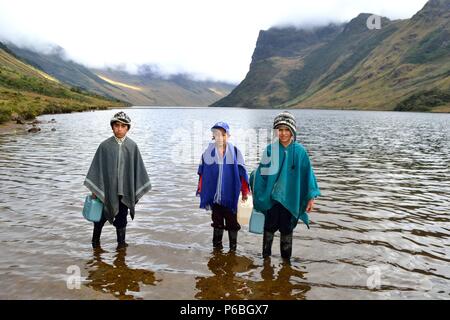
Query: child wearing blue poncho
pixel 284 186
pixel 222 176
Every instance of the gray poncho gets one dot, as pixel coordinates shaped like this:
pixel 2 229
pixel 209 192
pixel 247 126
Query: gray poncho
pixel 117 170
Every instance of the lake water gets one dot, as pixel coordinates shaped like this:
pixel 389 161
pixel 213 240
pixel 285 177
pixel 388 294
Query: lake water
pixel 380 230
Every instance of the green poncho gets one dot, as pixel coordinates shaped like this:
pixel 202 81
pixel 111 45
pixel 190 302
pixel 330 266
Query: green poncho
pixel 288 179
pixel 117 170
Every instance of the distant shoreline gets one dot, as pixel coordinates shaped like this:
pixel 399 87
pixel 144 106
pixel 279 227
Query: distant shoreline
pixel 11 127
pixel 162 107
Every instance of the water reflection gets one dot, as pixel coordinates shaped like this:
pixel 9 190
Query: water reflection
pixel 232 279
pixel 385 204
pixel 284 285
pixel 225 283
pixel 117 279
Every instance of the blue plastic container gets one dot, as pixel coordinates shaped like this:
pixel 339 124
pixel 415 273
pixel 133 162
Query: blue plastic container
pixel 256 224
pixel 92 209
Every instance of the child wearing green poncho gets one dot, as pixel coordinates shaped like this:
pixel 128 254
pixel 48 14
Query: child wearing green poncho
pixel 117 176
pixel 284 186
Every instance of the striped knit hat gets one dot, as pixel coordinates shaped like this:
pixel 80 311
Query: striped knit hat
pixel 121 117
pixel 286 119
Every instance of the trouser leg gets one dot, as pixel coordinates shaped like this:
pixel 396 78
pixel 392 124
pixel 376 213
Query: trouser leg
pixel 120 222
pixel 278 218
pixel 218 225
pixel 217 238
pixel 271 225
pixel 267 243
pixel 224 219
pixel 286 246
pixel 233 226
pixel 232 236
pixel 121 238
pixel 286 228
pixel 98 226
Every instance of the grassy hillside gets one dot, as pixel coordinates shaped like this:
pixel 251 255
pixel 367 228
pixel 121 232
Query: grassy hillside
pixel 68 72
pixel 353 67
pixel 279 54
pixel 147 88
pixel 144 88
pixel 27 92
pixel 405 63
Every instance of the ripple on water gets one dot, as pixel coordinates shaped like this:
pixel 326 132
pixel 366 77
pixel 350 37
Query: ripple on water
pixel 384 211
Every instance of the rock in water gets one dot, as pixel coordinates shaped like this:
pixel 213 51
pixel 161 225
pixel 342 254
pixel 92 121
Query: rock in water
pixel 34 129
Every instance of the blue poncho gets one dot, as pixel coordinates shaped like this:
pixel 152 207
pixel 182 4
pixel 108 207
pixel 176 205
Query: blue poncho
pixel 284 175
pixel 221 177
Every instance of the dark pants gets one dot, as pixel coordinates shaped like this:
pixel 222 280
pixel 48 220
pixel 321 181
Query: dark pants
pixel 120 221
pixel 279 218
pixel 224 218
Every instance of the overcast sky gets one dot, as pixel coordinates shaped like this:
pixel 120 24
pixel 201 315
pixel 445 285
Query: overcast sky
pixel 208 38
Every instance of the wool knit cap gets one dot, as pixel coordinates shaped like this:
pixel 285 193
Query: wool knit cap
pixel 286 119
pixel 121 117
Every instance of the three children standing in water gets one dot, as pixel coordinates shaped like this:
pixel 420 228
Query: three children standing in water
pixel 284 184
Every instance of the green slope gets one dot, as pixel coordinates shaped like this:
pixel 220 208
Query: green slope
pixel 27 92
pixel 147 88
pixel 144 88
pixel 354 68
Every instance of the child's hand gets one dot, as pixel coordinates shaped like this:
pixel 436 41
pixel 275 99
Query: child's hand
pixel 94 196
pixel 244 198
pixel 310 205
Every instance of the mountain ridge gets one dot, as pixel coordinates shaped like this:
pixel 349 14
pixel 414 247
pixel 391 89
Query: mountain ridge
pixel 118 84
pixel 354 68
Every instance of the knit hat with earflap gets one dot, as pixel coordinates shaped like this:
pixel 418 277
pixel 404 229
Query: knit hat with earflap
pixel 286 119
pixel 121 117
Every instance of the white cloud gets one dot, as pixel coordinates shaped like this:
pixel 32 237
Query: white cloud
pixel 208 38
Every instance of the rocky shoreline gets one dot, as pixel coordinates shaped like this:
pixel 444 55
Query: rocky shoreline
pixel 20 127
pixel 12 127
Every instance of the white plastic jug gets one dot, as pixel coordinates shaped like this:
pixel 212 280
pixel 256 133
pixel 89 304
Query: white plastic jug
pixel 244 210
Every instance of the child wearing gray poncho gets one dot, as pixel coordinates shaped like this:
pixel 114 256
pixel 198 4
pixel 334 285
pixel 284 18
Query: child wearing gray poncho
pixel 117 176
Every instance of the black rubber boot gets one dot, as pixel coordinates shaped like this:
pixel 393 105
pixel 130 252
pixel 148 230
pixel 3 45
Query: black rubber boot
pixel 232 236
pixel 217 238
pixel 121 238
pixel 267 244
pixel 286 246
pixel 96 235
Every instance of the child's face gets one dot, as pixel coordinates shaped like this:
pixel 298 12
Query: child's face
pixel 120 130
pixel 220 136
pixel 284 134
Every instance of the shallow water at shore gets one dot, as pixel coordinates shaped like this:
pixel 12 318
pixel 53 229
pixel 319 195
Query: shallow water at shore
pixel 380 230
